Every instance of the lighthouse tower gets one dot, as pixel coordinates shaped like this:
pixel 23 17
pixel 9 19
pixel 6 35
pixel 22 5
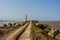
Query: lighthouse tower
pixel 25 17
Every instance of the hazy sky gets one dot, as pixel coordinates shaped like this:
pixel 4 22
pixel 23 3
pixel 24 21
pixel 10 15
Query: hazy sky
pixel 35 9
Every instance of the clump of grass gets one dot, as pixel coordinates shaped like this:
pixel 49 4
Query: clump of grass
pixel 40 32
pixel 42 26
pixel 32 29
pixel 45 28
pixel 33 35
pixel 9 24
pixel 50 37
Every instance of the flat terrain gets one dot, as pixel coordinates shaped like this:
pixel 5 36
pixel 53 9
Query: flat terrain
pixel 26 34
pixel 21 33
pixel 55 24
pixel 11 33
pixel 16 33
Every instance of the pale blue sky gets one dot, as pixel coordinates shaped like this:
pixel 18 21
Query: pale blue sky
pixel 47 10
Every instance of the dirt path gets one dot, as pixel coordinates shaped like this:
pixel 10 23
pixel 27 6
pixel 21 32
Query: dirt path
pixel 15 34
pixel 26 34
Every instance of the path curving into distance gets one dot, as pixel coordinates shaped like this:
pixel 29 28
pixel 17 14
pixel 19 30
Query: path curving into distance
pixel 16 33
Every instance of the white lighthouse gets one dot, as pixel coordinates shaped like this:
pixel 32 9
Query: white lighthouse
pixel 25 17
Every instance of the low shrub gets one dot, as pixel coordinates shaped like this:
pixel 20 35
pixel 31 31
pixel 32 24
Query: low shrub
pixel 50 37
pixel 4 25
pixel 9 24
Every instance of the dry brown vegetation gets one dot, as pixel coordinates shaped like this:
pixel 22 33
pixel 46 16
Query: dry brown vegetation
pixel 39 31
pixel 5 29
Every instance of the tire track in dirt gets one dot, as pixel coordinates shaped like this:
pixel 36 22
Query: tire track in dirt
pixel 26 34
pixel 16 33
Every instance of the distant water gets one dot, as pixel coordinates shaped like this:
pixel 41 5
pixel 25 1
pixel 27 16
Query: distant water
pixel 2 22
pixel 52 24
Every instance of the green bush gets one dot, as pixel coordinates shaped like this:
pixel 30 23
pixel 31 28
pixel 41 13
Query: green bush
pixel 9 24
pixel 41 26
pixel 50 37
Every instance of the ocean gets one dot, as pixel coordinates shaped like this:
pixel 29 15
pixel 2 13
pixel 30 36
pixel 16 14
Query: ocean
pixel 2 22
pixel 52 24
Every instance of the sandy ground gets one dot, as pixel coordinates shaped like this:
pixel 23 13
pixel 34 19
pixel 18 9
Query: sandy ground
pixel 26 34
pixel 13 34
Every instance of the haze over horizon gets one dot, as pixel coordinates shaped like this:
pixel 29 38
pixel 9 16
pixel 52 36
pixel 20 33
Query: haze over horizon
pixel 44 10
